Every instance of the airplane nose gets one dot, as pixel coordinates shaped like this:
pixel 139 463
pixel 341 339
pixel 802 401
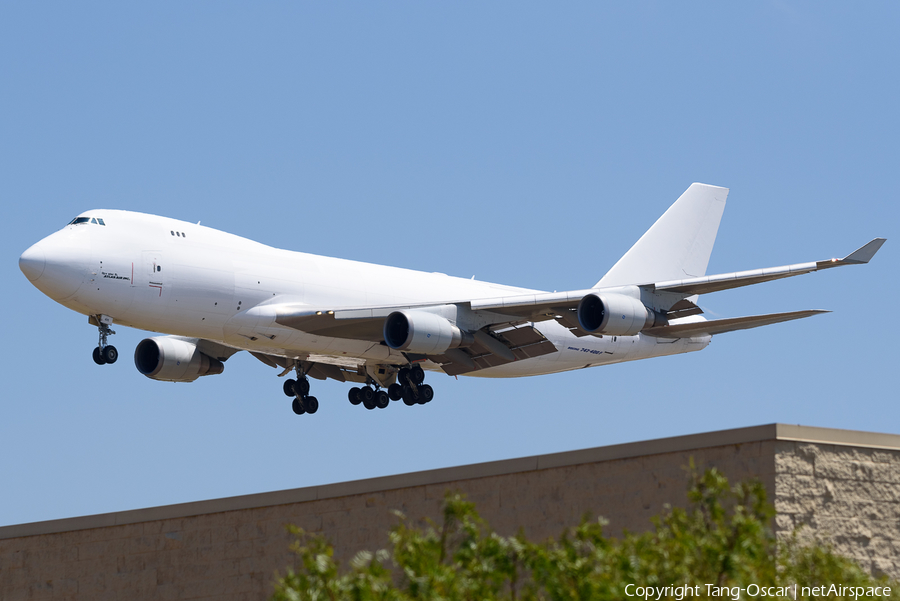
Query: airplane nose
pixel 32 263
pixel 57 264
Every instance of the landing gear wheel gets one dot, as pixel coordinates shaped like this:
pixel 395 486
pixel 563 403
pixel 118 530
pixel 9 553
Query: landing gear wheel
pixel 417 375
pixel 395 392
pixel 109 354
pixel 311 404
pixel 368 397
pixel 426 393
pixel 98 358
pixel 409 397
pixel 288 387
pixel 382 400
pixel 104 353
pixel 366 393
pixel 301 387
pixel 403 376
pixel 298 407
pixel 354 397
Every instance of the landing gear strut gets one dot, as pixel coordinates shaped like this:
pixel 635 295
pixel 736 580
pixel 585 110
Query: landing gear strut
pixel 104 353
pixel 299 389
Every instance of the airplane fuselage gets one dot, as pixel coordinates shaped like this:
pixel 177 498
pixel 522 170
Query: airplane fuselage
pixel 178 278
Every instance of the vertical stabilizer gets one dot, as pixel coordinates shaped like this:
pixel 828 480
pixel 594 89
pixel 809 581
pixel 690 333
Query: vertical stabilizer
pixel 678 245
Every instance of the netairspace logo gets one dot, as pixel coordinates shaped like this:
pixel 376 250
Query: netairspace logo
pixel 711 591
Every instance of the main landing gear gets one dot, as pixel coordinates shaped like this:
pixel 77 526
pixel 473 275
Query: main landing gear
pixel 409 387
pixel 104 353
pixel 299 389
pixel 369 397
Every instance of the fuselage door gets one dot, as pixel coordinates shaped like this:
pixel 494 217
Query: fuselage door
pixel 154 270
pixel 151 293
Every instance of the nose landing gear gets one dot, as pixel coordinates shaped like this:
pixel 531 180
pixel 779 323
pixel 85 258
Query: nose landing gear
pixel 104 353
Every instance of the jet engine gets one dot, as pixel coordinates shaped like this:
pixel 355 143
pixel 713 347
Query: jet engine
pixel 173 360
pixel 614 315
pixel 423 332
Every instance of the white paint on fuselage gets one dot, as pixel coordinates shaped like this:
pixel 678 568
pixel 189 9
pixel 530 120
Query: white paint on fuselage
pixel 174 277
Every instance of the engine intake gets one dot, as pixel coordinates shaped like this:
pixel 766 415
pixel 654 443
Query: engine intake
pixel 614 314
pixel 173 360
pixel 422 332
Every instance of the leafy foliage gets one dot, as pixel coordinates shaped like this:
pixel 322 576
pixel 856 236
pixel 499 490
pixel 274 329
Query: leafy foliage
pixel 722 539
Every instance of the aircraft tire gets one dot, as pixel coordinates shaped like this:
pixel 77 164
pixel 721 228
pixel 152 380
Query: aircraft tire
pixel 301 387
pixel 409 397
pixel 311 404
pixel 426 393
pixel 297 406
pixel 98 358
pixel 109 354
pixel 395 392
pixel 417 375
pixel 354 397
pixel 382 400
pixel 403 376
pixel 288 387
pixel 367 396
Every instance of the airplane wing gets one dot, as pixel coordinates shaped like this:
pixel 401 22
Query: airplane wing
pixel 507 339
pixel 714 283
pixel 538 307
pixel 510 336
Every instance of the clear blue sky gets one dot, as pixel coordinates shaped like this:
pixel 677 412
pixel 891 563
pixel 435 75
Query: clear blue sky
pixel 524 143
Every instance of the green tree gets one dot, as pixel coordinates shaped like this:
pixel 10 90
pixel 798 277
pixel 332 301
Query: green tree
pixel 722 539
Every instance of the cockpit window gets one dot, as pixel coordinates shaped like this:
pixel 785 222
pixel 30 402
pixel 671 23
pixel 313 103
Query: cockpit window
pixel 80 220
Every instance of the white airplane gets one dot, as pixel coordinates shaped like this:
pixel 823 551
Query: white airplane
pixel 215 294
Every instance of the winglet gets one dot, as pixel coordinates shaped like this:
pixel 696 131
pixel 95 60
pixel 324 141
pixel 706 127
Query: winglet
pixel 864 253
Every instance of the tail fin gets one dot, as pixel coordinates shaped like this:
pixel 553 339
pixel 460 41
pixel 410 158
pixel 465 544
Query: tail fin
pixel 679 243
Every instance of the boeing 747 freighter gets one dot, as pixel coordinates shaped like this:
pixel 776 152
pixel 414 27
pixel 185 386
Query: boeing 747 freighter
pixel 213 294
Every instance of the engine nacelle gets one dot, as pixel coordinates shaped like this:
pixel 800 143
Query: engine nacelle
pixel 613 314
pixel 173 360
pixel 422 332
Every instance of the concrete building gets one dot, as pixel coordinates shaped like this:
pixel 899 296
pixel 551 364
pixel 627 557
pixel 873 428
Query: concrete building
pixel 843 485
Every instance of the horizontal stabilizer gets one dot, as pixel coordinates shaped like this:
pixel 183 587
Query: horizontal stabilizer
pixel 720 326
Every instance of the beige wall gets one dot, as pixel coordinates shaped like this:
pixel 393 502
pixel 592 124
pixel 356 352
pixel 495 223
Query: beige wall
pixel 231 548
pixel 849 496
